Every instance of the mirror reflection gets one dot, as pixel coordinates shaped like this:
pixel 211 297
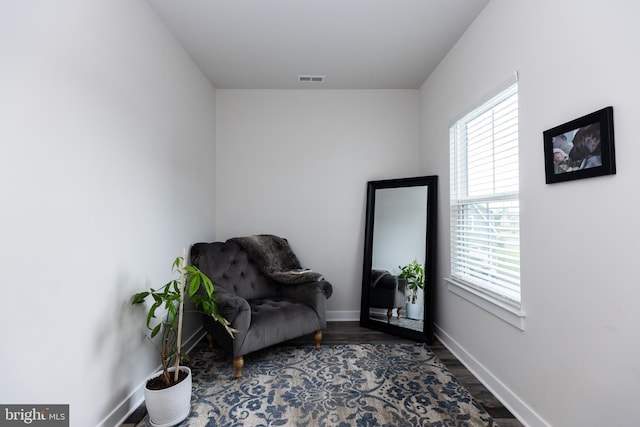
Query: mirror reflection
pixel 398 256
pixel 398 266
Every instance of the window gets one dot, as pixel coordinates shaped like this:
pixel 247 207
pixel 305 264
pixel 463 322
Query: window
pixel 485 209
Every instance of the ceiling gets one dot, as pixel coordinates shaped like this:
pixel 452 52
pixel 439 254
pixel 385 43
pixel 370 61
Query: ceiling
pixel 355 44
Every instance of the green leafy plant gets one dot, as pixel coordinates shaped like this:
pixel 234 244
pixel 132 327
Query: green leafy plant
pixel 169 299
pixel 413 273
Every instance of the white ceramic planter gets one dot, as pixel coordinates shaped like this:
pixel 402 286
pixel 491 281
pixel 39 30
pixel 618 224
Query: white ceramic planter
pixel 170 406
pixel 415 311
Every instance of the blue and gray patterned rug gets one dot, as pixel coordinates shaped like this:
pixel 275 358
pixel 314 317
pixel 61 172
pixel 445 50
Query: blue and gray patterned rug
pixel 338 385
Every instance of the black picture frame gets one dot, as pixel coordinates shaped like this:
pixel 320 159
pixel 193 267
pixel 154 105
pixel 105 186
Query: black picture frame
pixel 581 148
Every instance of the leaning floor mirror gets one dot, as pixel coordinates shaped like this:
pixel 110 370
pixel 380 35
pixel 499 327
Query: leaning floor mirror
pixel 399 257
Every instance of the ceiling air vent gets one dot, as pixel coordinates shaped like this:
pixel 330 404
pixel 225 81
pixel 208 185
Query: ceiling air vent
pixel 310 79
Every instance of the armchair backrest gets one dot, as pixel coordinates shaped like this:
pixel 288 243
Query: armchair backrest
pixel 383 279
pixel 229 268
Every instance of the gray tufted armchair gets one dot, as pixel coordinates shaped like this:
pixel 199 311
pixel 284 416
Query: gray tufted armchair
pixel 387 291
pixel 265 311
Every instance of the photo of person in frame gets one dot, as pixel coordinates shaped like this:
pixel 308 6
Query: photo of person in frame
pixel 577 149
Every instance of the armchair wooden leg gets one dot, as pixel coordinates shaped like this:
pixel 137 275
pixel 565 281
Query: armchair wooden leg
pixel 238 363
pixel 317 337
pixel 389 315
pixel 210 340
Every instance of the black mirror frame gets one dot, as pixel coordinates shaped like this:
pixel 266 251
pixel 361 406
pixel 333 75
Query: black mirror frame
pixel 431 182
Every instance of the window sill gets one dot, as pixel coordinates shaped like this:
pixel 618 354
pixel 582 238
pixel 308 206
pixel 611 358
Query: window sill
pixel 490 303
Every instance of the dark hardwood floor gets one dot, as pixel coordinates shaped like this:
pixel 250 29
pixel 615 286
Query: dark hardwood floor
pixel 352 333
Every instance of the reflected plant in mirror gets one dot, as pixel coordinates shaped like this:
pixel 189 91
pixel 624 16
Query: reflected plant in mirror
pixel 413 273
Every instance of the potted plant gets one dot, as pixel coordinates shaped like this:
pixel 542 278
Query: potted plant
pixel 168 391
pixel 413 274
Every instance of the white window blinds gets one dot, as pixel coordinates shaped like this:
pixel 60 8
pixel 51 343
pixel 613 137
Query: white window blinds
pixel 485 209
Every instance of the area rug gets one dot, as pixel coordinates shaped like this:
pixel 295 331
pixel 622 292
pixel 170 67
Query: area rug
pixel 338 385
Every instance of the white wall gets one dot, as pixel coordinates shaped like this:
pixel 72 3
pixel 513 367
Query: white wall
pixel 399 227
pixel 296 163
pixel 106 172
pixel 577 363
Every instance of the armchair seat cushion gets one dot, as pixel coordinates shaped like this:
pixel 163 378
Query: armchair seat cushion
pixel 278 319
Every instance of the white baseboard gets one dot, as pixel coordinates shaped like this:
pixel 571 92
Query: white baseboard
pixel 510 400
pixel 123 410
pixel 343 316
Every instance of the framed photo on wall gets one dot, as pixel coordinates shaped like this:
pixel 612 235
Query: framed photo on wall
pixel 581 148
